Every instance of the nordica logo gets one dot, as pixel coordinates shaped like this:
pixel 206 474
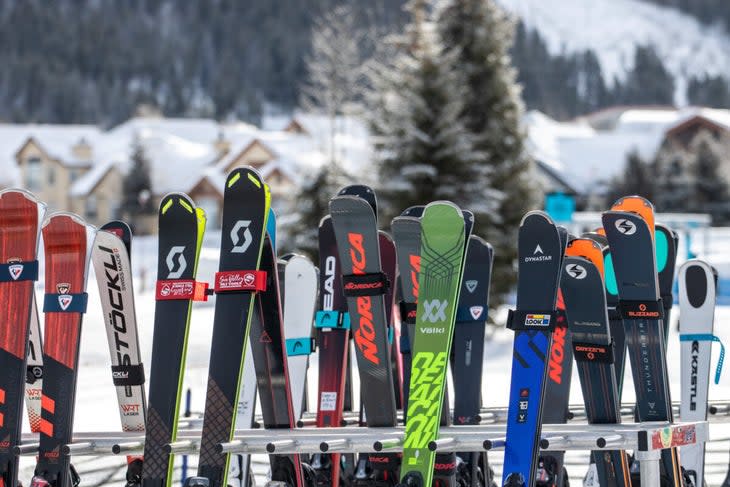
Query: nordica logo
pixel 557 355
pixel 365 330
pixel 538 255
pixel 627 227
pixel 693 376
pixel 537 320
pixel 116 317
pixel 330 263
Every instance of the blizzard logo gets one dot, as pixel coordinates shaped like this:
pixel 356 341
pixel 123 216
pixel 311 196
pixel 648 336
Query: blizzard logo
pixel 240 248
pixel 64 301
pixel 693 376
pixel 476 311
pixel 176 270
pixel 627 227
pixel 15 271
pixel 330 264
pixel 538 255
pixel 365 332
pixel 643 312
pixel 557 355
pixel 471 285
pixel 537 320
pixel 576 271
pixel 434 310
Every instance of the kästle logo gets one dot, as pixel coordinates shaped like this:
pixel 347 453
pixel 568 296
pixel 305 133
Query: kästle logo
pixel 538 256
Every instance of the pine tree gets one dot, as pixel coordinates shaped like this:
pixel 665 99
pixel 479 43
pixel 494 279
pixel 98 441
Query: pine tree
pixel 423 148
pixel 479 34
pixel 710 191
pixel 137 185
pixel 648 82
pixel 638 178
pixel 673 180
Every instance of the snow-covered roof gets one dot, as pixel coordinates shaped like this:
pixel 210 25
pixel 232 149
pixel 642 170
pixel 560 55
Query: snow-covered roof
pixel 87 182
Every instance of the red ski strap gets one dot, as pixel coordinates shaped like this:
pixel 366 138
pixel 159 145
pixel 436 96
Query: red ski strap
pixel 181 289
pixel 236 281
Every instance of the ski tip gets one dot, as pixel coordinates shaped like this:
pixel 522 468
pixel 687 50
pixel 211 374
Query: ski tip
pixel 244 173
pixel 533 214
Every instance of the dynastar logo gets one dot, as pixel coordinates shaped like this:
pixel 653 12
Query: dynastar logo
pixel 576 271
pixel 538 255
pixel 330 264
pixel 693 376
pixel 557 355
pixel 238 246
pixel 365 332
pixel 175 270
pixel 627 227
pixel 116 317
pixel 434 310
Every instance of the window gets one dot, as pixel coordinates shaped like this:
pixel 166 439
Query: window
pixel 33 173
pixel 91 209
pixel 73 175
pixel 51 176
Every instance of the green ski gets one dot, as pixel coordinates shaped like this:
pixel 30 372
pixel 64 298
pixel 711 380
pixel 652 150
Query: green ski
pixel 443 237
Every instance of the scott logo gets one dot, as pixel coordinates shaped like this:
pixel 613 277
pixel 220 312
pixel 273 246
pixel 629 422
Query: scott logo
pixel 241 247
pixel 576 271
pixel 434 310
pixel 176 269
pixel 625 226
pixel 364 335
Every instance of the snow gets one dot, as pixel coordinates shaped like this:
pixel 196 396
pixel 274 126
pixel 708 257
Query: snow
pixel 613 29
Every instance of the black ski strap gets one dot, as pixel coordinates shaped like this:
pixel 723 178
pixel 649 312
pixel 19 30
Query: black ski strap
pixel 372 284
pixel 128 375
pixel 405 345
pixel 471 314
pixel 299 346
pixel 407 312
pixel 240 281
pixel 594 352
pixel 65 303
pixel 521 320
pixel 181 290
pixel 330 318
pixel 614 313
pixel 19 271
pixel 667 300
pixel 633 310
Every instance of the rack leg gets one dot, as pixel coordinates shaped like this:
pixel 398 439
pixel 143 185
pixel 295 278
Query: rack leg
pixel 649 467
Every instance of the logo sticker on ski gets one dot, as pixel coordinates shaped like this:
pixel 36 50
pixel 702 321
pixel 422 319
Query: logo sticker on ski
pixel 625 226
pixel 434 310
pixel 176 270
pixel 471 285
pixel 240 248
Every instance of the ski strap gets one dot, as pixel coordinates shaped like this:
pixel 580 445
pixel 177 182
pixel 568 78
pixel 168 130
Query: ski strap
pixel 614 313
pixel 405 345
pixel 128 375
pixel 520 320
pixel 331 319
pixel 641 309
pixel 408 312
pixel 594 352
pixel 707 337
pixel 65 303
pixel 240 281
pixel 299 346
pixel 371 284
pixel 181 289
pixel 470 314
pixel 19 271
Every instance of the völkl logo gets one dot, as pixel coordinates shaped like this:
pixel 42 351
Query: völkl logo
pixel 434 310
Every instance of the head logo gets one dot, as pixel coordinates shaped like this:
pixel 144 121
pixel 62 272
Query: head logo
pixel 15 271
pixel 239 248
pixel 471 285
pixel 64 301
pixel 538 250
pixel 576 271
pixel 176 270
pixel 625 226
pixel 434 310
pixel 476 311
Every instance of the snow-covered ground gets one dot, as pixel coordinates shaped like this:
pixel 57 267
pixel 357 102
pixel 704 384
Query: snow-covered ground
pixel 96 399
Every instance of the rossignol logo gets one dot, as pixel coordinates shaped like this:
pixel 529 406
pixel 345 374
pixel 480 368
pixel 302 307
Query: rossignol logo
pixel 538 255
pixel 427 379
pixel 471 285
pixel 642 312
pixel 238 246
pixel 557 355
pixel 476 311
pixel 63 288
pixel 176 269
pixel 576 271
pixel 627 227
pixel 537 320
pixel 365 331
pixel 330 264
pixel 64 298
pixel 693 376
pixel 15 271
pixel 434 310
pixel 113 279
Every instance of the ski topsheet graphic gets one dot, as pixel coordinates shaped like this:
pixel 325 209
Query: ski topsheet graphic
pixel 697 297
pixel 34 370
pixel 540 252
pixel 181 228
pixel 20 217
pixel 67 244
pixel 442 258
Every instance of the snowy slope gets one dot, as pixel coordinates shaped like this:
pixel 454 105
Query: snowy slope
pixel 613 28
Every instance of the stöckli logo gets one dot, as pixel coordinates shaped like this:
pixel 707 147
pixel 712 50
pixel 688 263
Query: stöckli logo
pixel 176 270
pixel 240 248
pixel 625 226
pixel 576 271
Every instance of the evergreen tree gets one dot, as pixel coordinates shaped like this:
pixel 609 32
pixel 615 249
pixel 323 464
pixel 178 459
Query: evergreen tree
pixel 423 148
pixel 648 82
pixel 137 185
pixel 637 178
pixel 710 91
pixel 672 179
pixel 479 35
pixel 710 192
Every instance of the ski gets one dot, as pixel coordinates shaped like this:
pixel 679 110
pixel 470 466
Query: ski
pixel 443 244
pixel 67 244
pixel 110 257
pixel 180 235
pixel 585 299
pixel 697 299
pixel 666 241
pixel 34 370
pixel 246 204
pixel 388 262
pixel 20 217
pixel 332 325
pixel 468 350
pixel 629 228
pixel 540 251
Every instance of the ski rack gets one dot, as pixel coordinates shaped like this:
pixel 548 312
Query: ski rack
pixel 645 439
